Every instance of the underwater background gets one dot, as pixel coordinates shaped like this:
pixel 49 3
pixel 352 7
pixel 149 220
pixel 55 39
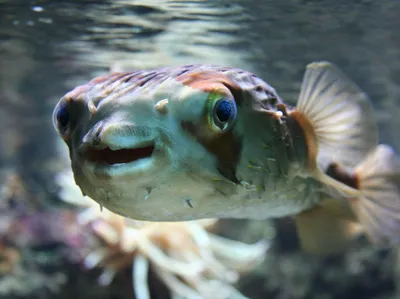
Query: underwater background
pixel 49 47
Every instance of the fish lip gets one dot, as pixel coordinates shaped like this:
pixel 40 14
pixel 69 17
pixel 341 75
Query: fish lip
pixel 107 172
pixel 109 158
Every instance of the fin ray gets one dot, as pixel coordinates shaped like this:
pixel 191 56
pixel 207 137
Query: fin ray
pixel 340 114
pixel 378 209
pixel 327 228
pixel 375 198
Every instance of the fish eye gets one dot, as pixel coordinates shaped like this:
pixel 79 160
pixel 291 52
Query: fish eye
pixel 61 117
pixel 224 113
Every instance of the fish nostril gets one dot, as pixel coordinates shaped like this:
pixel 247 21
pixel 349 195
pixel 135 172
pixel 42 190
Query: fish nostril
pixel 96 139
pixel 93 138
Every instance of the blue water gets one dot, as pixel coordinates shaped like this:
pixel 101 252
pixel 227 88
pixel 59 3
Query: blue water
pixel 48 47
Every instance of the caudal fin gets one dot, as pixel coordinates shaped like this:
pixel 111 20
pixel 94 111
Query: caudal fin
pixel 378 208
pixel 343 153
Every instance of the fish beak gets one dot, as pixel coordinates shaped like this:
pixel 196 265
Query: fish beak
pixel 120 156
pixel 120 144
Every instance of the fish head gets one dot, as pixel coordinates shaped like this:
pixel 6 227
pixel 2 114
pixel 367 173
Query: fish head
pixel 161 145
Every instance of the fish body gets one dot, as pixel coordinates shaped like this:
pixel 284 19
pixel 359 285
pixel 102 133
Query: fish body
pixel 203 141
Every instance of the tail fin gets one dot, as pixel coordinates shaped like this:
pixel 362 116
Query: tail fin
pixel 378 208
pixel 343 151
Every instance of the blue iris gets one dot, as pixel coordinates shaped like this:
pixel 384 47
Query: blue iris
pixel 63 116
pixel 225 110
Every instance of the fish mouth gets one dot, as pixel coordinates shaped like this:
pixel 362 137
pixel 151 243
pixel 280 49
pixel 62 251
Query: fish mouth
pixel 108 156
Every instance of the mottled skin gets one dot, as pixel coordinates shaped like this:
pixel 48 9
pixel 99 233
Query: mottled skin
pixel 250 169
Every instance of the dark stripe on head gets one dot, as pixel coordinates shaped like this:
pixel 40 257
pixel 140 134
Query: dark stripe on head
pixel 226 147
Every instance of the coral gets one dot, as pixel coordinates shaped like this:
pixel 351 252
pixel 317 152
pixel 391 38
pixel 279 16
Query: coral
pixel 24 270
pixel 189 260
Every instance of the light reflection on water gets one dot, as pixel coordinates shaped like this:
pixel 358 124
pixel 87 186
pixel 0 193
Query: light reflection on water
pixel 273 39
pixel 70 42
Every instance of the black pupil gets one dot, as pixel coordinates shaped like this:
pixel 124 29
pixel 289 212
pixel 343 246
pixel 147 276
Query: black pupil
pixel 63 116
pixel 224 110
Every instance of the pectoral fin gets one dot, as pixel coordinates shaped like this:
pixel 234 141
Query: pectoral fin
pixel 327 228
pixel 336 116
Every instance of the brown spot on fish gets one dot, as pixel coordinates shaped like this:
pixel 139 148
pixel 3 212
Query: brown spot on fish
pixel 309 135
pixel 224 146
pixel 282 108
pixel 339 173
pixel 209 81
pixel 259 88
pixel 295 137
pixel 76 92
pixel 108 79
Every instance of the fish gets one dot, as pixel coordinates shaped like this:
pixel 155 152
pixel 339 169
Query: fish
pixel 207 141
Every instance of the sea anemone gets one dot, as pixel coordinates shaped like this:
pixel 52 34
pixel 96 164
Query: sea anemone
pixel 189 260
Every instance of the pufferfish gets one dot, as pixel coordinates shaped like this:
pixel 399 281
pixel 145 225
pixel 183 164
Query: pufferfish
pixel 204 141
